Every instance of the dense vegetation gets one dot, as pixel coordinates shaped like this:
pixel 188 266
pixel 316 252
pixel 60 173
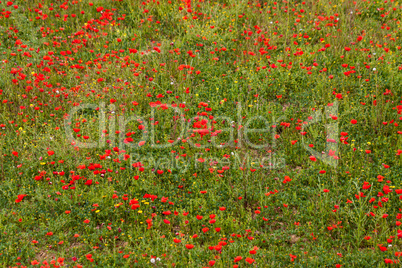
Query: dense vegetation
pixel 199 133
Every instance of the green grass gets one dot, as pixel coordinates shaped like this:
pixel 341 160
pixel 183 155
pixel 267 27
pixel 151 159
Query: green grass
pixel 102 163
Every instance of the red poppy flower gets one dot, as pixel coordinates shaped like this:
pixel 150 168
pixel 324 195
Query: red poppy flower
pixel 250 260
pixel 238 258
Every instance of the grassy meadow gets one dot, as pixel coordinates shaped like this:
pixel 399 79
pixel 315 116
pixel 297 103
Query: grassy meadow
pixel 196 133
